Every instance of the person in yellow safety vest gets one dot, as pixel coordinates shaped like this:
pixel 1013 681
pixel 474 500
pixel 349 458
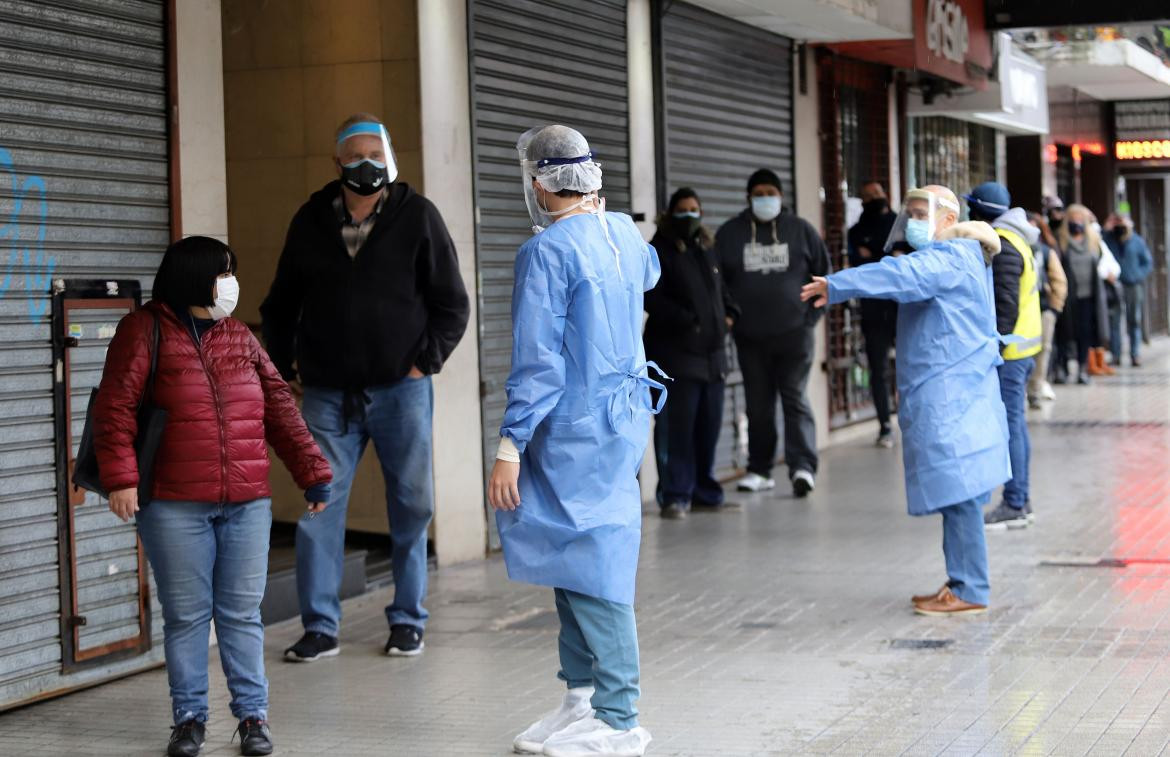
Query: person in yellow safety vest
pixel 1017 315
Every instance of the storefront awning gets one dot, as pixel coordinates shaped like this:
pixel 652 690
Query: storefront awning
pixel 1107 70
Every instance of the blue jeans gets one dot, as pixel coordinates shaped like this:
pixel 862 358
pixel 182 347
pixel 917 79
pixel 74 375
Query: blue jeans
pixel 694 413
pixel 211 561
pixel 965 550
pixel 397 420
pixel 1134 296
pixel 599 648
pixel 1013 388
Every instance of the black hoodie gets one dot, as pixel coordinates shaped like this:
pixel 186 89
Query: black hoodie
pixel 767 286
pixel 353 323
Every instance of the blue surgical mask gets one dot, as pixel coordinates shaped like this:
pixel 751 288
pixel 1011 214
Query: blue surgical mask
pixel 765 208
pixel 917 233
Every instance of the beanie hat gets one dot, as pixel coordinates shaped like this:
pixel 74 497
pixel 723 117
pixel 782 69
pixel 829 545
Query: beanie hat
pixel 764 176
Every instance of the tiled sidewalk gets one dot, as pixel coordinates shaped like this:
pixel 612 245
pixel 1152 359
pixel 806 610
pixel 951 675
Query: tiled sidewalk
pixel 780 628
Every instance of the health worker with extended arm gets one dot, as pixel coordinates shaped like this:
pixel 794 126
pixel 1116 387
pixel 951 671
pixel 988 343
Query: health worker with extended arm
pixel 565 484
pixel 954 426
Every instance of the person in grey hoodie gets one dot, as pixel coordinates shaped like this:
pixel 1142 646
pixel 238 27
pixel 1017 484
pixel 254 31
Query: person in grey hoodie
pixel 1018 320
pixel 767 256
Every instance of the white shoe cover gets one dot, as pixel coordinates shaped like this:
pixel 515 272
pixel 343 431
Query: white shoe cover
pixel 575 706
pixel 592 736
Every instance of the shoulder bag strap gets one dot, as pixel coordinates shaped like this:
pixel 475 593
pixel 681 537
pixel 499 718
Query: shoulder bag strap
pixel 148 390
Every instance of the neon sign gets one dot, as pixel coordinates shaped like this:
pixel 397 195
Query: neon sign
pixel 1143 149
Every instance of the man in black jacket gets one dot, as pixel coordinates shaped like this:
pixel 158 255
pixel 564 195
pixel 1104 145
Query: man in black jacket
pixel 767 257
pixel 367 304
pixel 867 242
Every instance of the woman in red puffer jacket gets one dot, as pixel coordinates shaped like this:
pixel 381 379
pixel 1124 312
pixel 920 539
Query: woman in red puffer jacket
pixel 207 524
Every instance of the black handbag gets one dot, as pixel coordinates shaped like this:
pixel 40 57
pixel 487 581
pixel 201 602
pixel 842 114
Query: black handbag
pixel 151 422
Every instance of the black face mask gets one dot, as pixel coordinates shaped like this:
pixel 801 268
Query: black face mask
pixel 874 207
pixel 686 226
pixel 364 178
pixel 1054 223
pixel 1075 229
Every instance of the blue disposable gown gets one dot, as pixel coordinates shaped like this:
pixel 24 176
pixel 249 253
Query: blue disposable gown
pixel 579 406
pixel 954 426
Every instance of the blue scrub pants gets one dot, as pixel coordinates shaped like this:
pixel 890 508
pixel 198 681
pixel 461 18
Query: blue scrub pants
pixel 599 648
pixel 965 550
pixel 1013 388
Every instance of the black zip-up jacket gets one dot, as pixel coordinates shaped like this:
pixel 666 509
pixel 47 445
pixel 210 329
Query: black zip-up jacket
pixel 871 232
pixel 767 287
pixel 354 323
pixel 686 333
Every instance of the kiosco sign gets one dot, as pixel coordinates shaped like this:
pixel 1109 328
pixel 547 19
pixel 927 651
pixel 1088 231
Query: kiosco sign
pixel 1142 130
pixel 1146 149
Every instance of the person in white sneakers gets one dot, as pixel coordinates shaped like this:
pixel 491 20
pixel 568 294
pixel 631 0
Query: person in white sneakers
pixel 565 484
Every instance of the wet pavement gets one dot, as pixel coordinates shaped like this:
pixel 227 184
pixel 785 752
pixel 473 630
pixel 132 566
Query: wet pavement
pixel 779 627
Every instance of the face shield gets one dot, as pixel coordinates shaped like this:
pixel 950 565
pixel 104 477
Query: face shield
pixel 366 158
pixel 558 158
pixel 917 224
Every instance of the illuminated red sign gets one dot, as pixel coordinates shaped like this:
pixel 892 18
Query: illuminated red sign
pixel 1144 149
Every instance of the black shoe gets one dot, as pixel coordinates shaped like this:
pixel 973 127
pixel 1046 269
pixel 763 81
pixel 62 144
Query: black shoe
pixel 1135 362
pixel 186 739
pixel 674 511
pixel 312 646
pixel 1083 378
pixel 802 483
pixel 405 641
pixel 1004 517
pixel 255 738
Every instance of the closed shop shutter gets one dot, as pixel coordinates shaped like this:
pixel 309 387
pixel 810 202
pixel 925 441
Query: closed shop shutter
pixel 83 153
pixel 535 62
pixel 726 90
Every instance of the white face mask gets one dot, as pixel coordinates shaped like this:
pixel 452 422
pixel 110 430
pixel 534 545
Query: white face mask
pixel 227 292
pixel 766 208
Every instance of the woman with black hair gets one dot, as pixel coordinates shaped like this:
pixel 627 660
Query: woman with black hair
pixel 690 315
pixel 206 526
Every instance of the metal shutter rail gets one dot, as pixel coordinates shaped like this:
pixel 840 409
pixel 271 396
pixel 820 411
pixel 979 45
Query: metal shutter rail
pixel 726 90
pixel 83 193
pixel 535 62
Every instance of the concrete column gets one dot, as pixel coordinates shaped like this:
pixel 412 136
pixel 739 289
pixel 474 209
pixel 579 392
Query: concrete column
pixel 202 157
pixel 460 529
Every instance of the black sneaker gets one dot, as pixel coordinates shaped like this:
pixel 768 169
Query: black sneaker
pixel 255 737
pixel 405 641
pixel 1004 517
pixel 186 739
pixel 802 483
pixel 312 646
pixel 674 511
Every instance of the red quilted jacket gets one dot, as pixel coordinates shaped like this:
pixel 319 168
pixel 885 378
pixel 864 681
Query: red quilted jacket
pixel 224 400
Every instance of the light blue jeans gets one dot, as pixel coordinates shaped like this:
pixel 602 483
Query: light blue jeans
pixel 211 561
pixel 398 421
pixel 1013 389
pixel 599 648
pixel 965 550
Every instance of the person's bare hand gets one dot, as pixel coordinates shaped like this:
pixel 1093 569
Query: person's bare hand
pixel 730 322
pixel 864 252
pixel 415 373
pixel 316 507
pixel 503 486
pixel 124 503
pixel 817 291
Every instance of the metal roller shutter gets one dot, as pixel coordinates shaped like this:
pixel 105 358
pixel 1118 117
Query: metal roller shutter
pixel 726 91
pixel 535 62
pixel 83 153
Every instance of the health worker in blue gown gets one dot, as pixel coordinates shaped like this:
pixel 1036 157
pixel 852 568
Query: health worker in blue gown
pixel 954 425
pixel 565 485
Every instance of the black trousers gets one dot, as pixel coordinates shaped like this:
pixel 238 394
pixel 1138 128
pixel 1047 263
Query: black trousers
pixel 779 367
pixel 878 339
pixel 694 413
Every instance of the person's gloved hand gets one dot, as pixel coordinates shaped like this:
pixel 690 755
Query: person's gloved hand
pixel 503 486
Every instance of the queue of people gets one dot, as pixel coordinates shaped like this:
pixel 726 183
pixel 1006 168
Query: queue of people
pixel 368 304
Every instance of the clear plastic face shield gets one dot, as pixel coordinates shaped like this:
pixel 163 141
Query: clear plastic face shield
pixel 558 158
pixel 366 158
pixel 917 224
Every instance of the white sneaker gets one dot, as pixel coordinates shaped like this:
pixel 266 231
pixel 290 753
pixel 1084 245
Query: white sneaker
pixel 754 482
pixel 592 736
pixel 1047 392
pixel 575 706
pixel 803 483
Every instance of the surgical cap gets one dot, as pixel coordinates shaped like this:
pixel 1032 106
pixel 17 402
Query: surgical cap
pixel 559 158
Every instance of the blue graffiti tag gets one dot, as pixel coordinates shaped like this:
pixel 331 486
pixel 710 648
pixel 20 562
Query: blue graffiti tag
pixel 26 256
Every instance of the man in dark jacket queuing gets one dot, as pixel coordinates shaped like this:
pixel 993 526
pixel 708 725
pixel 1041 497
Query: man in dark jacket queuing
pixel 767 256
pixel 866 243
pixel 367 304
pixel 690 313
pixel 1133 255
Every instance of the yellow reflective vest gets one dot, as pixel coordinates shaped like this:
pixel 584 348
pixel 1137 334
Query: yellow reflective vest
pixel 1028 324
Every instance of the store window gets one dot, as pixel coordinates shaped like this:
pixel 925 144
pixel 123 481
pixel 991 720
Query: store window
pixel 956 154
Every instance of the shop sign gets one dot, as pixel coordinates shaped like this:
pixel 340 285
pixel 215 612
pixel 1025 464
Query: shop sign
pixel 1141 130
pixel 952 40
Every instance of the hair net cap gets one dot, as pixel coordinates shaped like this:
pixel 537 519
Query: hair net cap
pixel 560 158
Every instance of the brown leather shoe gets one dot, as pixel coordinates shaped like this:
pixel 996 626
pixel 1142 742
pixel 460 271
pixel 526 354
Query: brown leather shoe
pixel 920 598
pixel 946 603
